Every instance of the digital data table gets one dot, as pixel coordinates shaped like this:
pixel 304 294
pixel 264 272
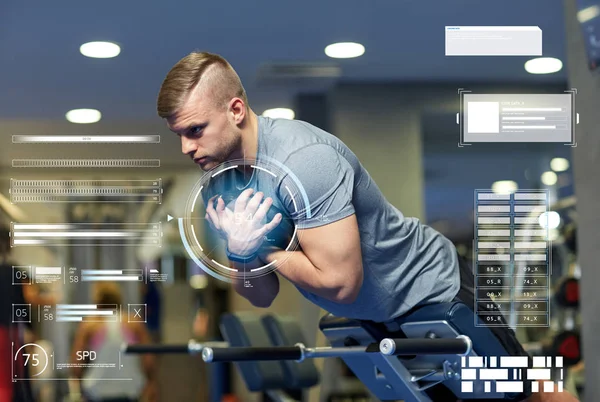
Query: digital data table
pixel 512 258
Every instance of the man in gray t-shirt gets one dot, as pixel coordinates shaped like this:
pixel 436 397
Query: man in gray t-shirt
pixel 357 255
pixel 404 263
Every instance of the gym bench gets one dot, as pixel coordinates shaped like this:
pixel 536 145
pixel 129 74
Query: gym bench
pixel 425 352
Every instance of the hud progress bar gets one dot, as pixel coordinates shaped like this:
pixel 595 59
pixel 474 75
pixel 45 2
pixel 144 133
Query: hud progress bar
pixel 40 271
pixel 82 139
pixel 96 275
pixel 85 163
pixel 87 312
pixel 31 191
pixel 91 234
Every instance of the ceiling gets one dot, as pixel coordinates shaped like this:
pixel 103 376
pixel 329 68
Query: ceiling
pixel 44 75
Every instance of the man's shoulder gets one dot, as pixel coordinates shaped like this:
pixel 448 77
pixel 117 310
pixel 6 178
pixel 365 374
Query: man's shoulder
pixel 284 138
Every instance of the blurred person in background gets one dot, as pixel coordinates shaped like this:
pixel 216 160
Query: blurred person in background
pixel 19 333
pixel 40 295
pixel 106 339
pixel 152 299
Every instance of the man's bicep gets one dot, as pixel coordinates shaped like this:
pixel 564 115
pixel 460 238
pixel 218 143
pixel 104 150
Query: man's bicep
pixel 335 250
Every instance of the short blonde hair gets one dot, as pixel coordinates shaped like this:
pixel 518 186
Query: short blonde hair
pixel 222 82
pixel 106 293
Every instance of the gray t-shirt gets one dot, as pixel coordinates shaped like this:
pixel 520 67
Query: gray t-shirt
pixel 405 262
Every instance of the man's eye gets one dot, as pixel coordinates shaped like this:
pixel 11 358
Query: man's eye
pixel 195 130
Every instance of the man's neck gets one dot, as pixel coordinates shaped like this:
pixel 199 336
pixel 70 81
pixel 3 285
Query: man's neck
pixel 249 149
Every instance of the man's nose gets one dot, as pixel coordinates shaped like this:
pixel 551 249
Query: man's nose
pixel 188 145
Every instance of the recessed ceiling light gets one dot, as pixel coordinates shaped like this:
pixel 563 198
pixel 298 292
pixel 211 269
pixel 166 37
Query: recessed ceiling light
pixel 100 50
pixel 549 220
pixel 549 178
pixel 559 164
pixel 344 50
pixel 543 65
pixel 280 113
pixel 83 116
pixel 588 13
pixel 504 187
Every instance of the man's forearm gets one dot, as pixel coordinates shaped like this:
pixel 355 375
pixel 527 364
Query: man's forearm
pixel 259 291
pixel 298 269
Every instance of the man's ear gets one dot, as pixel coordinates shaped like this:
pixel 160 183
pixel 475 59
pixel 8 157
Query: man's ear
pixel 237 107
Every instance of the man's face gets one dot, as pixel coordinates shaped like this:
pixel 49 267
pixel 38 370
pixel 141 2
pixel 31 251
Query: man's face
pixel 208 133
